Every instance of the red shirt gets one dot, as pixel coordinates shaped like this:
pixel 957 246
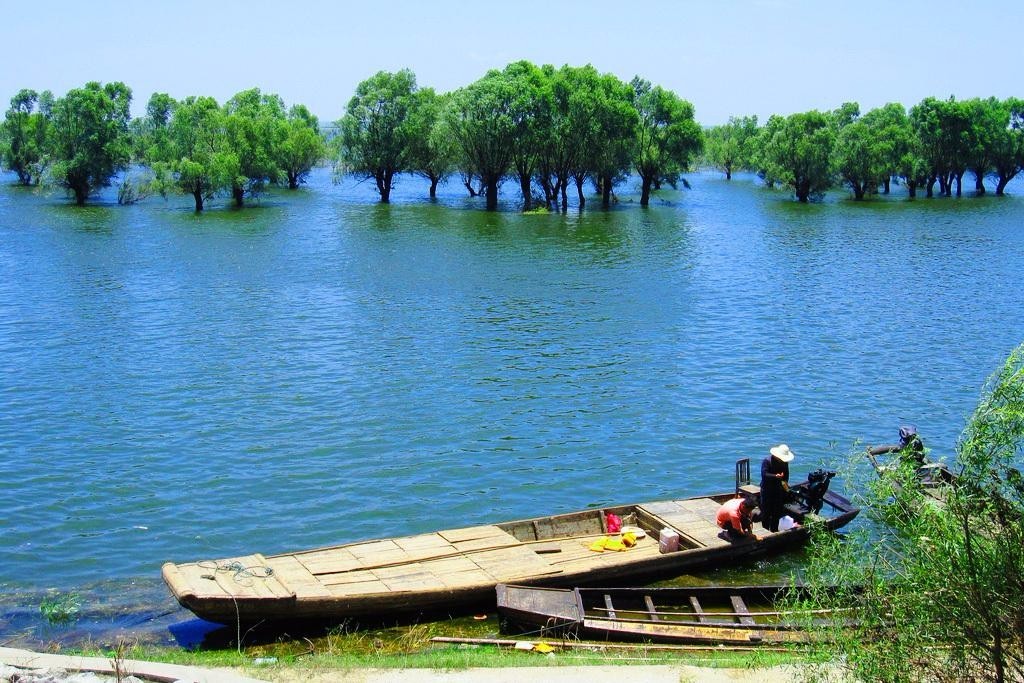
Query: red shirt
pixel 729 515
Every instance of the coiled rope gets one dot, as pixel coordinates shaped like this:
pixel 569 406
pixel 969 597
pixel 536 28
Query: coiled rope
pixel 242 575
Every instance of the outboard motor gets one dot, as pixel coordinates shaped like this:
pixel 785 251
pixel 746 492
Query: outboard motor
pixel 817 487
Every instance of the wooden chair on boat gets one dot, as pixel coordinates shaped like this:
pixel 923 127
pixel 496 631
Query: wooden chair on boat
pixel 744 486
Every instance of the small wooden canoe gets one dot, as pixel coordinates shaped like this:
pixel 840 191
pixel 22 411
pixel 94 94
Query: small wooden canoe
pixel 455 571
pixel 722 615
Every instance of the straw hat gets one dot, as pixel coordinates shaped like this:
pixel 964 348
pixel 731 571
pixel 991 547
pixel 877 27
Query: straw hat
pixel 782 452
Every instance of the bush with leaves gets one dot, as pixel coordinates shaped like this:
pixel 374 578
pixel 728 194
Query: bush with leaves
pixel 938 588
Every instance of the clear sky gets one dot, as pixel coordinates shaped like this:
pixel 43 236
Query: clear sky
pixel 728 57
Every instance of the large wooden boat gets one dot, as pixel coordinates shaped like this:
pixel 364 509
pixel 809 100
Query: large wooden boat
pixel 722 615
pixel 454 571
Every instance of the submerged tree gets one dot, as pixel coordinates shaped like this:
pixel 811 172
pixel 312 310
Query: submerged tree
pixel 253 125
pixel 667 137
pixel 23 136
pixel 481 120
pixel 89 137
pixel 797 151
pixel 375 130
pixel 301 145
pixel 730 147
pixel 592 133
pixel 1006 153
pixel 431 147
pixel 938 589
pixel 198 157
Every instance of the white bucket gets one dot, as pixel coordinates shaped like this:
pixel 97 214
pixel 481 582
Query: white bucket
pixel 668 540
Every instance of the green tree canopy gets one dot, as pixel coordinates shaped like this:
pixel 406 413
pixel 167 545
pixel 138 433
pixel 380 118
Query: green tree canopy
pixel 1007 151
pixel 198 155
pixel 860 157
pixel 253 124
pixel 936 591
pixel 730 147
pixel 592 128
pixel 376 128
pixel 149 133
pixel 943 129
pixel 531 114
pixel 301 146
pixel 432 149
pixel 667 137
pixel 23 136
pixel 481 118
pixel 894 136
pixel 89 137
pixel 796 151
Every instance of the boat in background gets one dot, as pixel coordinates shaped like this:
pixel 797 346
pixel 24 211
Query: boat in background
pixel 934 477
pixel 456 571
pixel 720 615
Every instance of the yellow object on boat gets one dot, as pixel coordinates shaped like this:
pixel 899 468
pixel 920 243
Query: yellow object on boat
pixel 600 544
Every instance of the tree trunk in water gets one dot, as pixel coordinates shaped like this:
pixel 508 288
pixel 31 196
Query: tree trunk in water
pixel 959 183
pixel 579 192
pixel 492 193
pixel 979 183
pixel 293 180
pixel 524 187
pixel 1001 185
pixel 198 196
pixel 911 188
pixel 803 191
pixel 728 172
pixel 930 186
pixel 858 191
pixel 885 185
pixel 645 192
pixel 565 198
pixel 433 186
pixel 606 193
pixel 238 192
pixel 80 196
pixel 383 179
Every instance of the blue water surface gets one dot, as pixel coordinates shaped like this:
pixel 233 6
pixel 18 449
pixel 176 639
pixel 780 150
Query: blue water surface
pixel 319 368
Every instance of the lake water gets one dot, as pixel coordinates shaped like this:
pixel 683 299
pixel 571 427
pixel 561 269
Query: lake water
pixel 319 368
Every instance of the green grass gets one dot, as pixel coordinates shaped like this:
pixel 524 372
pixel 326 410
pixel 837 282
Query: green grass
pixel 323 655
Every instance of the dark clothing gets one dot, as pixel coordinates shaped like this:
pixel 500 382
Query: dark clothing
pixel 773 491
pixel 910 449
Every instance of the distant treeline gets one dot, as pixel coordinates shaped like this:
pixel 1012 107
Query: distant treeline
pixel 937 142
pixel 546 128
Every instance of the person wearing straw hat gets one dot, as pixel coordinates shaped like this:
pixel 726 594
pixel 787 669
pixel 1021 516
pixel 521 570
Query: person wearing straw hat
pixel 774 485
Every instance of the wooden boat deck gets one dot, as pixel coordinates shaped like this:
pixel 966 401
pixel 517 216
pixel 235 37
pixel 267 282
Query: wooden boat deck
pixel 455 558
pixel 456 568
